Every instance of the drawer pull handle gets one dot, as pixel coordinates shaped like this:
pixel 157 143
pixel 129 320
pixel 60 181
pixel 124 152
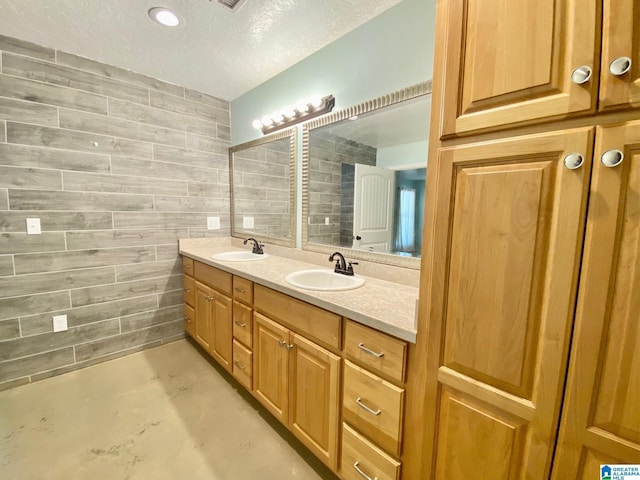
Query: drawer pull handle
pixel 240 290
pixel 240 365
pixel 187 290
pixel 282 343
pixel 362 474
pixel 240 324
pixel 187 266
pixel 369 351
pixel 363 406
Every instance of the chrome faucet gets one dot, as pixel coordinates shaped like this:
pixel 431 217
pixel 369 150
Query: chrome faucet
pixel 341 264
pixel 257 246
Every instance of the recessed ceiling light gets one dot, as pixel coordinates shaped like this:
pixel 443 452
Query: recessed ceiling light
pixel 164 16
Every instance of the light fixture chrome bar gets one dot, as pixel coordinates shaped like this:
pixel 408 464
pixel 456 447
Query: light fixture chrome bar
pixel 300 113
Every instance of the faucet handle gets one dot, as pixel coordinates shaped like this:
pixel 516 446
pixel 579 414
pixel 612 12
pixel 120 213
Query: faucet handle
pixel 350 267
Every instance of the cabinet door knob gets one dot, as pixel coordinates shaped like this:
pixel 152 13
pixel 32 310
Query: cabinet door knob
pixel 612 158
pixel 367 409
pixel 362 474
pixel 282 343
pixel 573 160
pixel 581 74
pixel 620 66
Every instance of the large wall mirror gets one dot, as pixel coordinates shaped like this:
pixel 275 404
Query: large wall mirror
pixel 262 183
pixel 363 175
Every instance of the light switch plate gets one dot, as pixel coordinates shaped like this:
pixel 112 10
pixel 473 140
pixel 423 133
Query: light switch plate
pixel 33 226
pixel 326 220
pixel 59 323
pixel 213 223
pixel 247 222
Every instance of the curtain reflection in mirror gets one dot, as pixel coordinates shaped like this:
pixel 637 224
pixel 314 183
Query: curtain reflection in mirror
pixel 405 228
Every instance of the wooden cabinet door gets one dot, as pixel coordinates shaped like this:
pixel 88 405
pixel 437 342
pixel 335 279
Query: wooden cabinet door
pixel 621 25
pixel 270 366
pixel 203 330
pixel 222 326
pixel 509 229
pixel 314 376
pixel 510 61
pixel 601 414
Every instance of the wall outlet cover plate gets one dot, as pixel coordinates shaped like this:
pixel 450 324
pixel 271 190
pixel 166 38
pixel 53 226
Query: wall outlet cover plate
pixel 213 223
pixel 60 323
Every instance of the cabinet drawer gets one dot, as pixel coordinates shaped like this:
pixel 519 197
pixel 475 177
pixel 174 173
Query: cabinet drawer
pixel 189 290
pixel 243 365
pixel 213 277
pixel 187 266
pixel 242 324
pixel 314 322
pixel 189 320
pixel 376 351
pixel 360 457
pixel 243 290
pixel 374 406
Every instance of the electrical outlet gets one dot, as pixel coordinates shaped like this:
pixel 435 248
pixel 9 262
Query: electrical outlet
pixel 247 222
pixel 60 323
pixel 213 223
pixel 33 226
pixel 326 220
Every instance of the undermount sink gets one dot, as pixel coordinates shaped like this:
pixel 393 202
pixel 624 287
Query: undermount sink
pixel 323 280
pixel 238 256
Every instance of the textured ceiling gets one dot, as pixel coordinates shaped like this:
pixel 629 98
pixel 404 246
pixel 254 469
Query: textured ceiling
pixel 217 51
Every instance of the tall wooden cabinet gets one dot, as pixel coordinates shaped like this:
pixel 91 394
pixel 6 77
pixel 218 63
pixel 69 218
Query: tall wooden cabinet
pixel 522 61
pixel 601 414
pixel 527 364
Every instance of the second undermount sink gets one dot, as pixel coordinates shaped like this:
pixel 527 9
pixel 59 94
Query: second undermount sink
pixel 238 256
pixel 323 280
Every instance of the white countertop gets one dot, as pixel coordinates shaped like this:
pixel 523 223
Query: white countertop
pixel 384 306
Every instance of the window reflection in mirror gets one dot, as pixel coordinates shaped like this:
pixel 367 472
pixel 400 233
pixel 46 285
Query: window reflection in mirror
pixel 366 180
pixel 262 189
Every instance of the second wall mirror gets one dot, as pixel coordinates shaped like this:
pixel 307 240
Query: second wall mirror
pixel 364 171
pixel 262 183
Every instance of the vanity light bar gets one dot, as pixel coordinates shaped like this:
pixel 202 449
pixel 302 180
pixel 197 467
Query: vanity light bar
pixel 289 116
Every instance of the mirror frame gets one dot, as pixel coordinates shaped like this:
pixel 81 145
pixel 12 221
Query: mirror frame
pixel 409 93
pixel 291 134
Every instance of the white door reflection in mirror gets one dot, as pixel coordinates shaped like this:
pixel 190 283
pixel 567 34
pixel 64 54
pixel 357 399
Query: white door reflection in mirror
pixel 373 208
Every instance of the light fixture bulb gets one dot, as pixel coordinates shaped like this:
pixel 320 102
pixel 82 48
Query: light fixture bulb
pixel 266 121
pixel 302 106
pixel 289 112
pixel 257 124
pixel 277 117
pixel 316 101
pixel 164 16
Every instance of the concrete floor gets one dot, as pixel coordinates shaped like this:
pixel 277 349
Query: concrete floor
pixel 164 413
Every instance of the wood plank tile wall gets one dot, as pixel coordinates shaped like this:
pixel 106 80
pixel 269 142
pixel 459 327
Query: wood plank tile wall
pixel 117 166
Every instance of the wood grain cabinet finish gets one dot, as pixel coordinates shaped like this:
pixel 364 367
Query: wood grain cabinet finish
pixel 620 30
pixel 243 324
pixel 362 459
pixel 298 382
pixel 203 315
pixel 243 290
pixel 243 365
pixel 374 407
pixel 213 320
pixel 601 413
pixel 189 290
pixel 222 325
pixel 189 320
pixel 375 351
pixel 511 217
pixel 511 62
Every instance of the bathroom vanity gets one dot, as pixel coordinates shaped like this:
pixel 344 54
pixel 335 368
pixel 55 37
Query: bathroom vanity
pixel 331 366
